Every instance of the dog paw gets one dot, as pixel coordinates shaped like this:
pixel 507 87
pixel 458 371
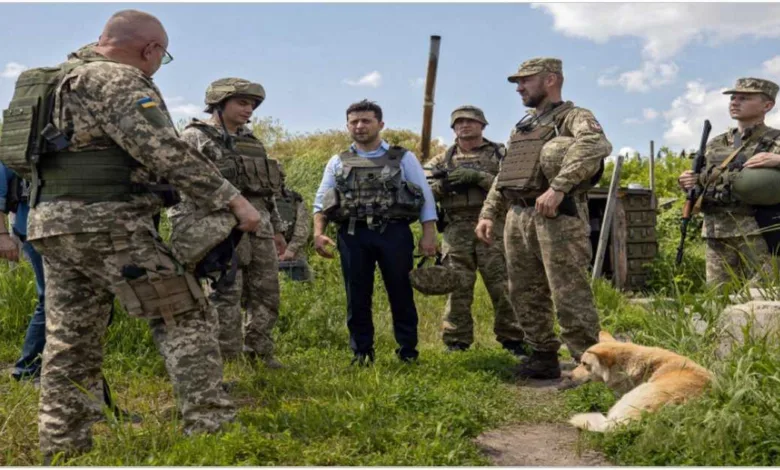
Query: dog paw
pixel 589 421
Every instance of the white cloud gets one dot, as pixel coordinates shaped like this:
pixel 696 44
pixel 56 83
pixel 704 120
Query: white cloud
pixel 373 80
pixel 665 28
pixel 772 67
pixel 648 114
pixel 627 152
pixel 178 107
pixel 12 70
pixel 685 117
pixel 418 82
pixel 441 140
pixel 651 75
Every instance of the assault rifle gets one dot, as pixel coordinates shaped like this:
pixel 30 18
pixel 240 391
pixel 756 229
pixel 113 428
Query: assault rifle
pixel 694 193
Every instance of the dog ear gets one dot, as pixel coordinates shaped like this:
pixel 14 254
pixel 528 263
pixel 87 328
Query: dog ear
pixel 605 357
pixel 604 337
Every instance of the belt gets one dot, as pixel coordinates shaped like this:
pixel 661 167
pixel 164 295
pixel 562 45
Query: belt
pixel 567 206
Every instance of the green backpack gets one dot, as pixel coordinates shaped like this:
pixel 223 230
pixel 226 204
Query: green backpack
pixel 27 130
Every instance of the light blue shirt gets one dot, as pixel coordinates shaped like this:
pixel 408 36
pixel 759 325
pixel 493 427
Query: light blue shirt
pixel 411 170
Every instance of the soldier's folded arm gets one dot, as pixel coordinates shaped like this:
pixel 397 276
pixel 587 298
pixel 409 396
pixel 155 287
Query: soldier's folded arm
pixel 302 229
pixel 583 158
pixel 128 111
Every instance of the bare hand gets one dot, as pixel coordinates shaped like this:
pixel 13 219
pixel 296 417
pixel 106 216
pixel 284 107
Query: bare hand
pixel 287 256
pixel 547 204
pixel 321 243
pixel 484 231
pixel 763 160
pixel 280 244
pixel 428 243
pixel 687 180
pixel 9 250
pixel 247 215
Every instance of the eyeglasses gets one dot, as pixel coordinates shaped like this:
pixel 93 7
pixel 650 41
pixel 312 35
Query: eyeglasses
pixel 167 57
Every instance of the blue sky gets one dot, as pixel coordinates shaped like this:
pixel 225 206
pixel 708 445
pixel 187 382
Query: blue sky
pixel 647 71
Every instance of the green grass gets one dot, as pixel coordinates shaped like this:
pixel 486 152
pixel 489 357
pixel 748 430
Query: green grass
pixel 320 411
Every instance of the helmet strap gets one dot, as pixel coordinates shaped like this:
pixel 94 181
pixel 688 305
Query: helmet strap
pixel 227 138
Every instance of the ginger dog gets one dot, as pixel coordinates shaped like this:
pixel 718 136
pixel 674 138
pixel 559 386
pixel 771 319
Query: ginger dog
pixel 652 377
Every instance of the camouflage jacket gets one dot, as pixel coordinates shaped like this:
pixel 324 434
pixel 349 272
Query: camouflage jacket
pixel 568 161
pixel 103 104
pixel 735 219
pixel 215 150
pixel 483 158
pixel 301 228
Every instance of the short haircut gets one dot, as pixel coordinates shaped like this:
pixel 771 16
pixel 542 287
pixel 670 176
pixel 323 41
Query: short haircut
pixel 365 105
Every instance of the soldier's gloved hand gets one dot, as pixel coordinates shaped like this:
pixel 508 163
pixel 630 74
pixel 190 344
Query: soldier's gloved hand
pixel 9 250
pixel 464 176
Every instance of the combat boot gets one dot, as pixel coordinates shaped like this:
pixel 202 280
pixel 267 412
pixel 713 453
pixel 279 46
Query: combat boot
pixel 457 346
pixel 518 348
pixel 540 365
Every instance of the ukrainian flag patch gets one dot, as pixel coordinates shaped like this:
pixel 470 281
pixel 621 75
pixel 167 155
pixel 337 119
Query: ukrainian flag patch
pixel 147 102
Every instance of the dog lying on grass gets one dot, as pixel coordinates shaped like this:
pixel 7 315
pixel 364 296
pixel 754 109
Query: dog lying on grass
pixel 649 377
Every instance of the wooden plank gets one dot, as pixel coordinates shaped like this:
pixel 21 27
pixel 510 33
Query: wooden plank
pixel 606 223
pixel 619 253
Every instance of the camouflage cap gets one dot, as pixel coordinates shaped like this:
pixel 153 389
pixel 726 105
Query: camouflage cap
pixel 224 88
pixel 439 280
pixel 754 85
pixel 195 235
pixel 468 112
pixel 537 65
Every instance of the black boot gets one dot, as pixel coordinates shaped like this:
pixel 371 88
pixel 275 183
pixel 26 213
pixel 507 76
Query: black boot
pixel 457 346
pixel 518 348
pixel 363 359
pixel 540 365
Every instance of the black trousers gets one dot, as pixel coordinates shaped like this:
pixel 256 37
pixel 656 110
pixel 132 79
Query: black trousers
pixel 360 253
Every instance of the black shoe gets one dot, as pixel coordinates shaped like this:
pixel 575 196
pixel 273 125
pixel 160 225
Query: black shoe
pixel 363 359
pixel 518 348
pixel 542 365
pixel 457 346
pixel 405 356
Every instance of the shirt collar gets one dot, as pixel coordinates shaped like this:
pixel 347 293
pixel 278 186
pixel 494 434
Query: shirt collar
pixel 381 150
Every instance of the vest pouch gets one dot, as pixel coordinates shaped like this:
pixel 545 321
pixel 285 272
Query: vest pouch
pixel 521 169
pixel 408 202
pixel 16 139
pixel 331 206
pixel 254 177
pixel 228 168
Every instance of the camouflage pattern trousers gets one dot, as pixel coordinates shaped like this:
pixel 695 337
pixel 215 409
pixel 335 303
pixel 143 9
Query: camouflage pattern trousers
pixel 743 257
pixel 256 289
pixel 547 261
pixel 463 251
pixel 82 274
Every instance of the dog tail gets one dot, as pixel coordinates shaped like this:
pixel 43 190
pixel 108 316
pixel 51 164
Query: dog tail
pixel 595 422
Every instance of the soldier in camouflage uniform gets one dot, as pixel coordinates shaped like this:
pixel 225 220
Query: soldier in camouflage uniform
pixel 471 165
pixel 734 244
pixel 555 155
pixel 227 141
pixel 297 222
pixel 114 116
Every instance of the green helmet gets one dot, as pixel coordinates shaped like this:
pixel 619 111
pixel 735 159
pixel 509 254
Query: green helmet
pixel 468 112
pixel 440 280
pixel 757 186
pixel 195 235
pixel 224 88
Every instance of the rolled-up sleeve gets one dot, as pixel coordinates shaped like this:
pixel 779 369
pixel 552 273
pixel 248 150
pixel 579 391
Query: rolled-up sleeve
pixel 414 173
pixel 328 182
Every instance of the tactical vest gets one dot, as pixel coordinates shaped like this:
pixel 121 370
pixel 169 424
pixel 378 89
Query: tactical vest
pixel 246 164
pixel 371 190
pixel 472 196
pixel 287 204
pixel 35 148
pixel 521 170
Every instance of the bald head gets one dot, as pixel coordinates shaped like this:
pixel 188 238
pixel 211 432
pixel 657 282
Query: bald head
pixel 134 38
pixel 128 28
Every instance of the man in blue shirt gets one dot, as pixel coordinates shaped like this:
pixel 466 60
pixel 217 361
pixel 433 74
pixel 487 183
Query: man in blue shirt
pixel 13 198
pixel 374 195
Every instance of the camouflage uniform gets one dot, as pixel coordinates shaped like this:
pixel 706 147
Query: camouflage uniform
pixel 86 246
pixel 297 226
pixel 462 251
pixel 734 246
pixel 257 277
pixel 548 258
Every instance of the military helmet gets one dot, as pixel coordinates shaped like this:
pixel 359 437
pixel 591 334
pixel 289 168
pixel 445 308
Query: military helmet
pixel 757 186
pixel 224 88
pixel 438 279
pixel 195 236
pixel 468 112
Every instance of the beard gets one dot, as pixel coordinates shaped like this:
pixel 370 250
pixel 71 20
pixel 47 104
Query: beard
pixel 365 138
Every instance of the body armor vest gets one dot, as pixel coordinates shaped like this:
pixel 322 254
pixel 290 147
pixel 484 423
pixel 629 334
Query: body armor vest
pixel 246 164
pixel 371 190
pixel 287 204
pixel 521 170
pixel 471 196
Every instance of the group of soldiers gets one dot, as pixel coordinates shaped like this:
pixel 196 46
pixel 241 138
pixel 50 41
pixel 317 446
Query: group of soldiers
pixel 104 157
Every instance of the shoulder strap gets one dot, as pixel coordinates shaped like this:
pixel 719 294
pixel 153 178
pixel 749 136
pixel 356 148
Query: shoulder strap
pixel 449 155
pixel 396 152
